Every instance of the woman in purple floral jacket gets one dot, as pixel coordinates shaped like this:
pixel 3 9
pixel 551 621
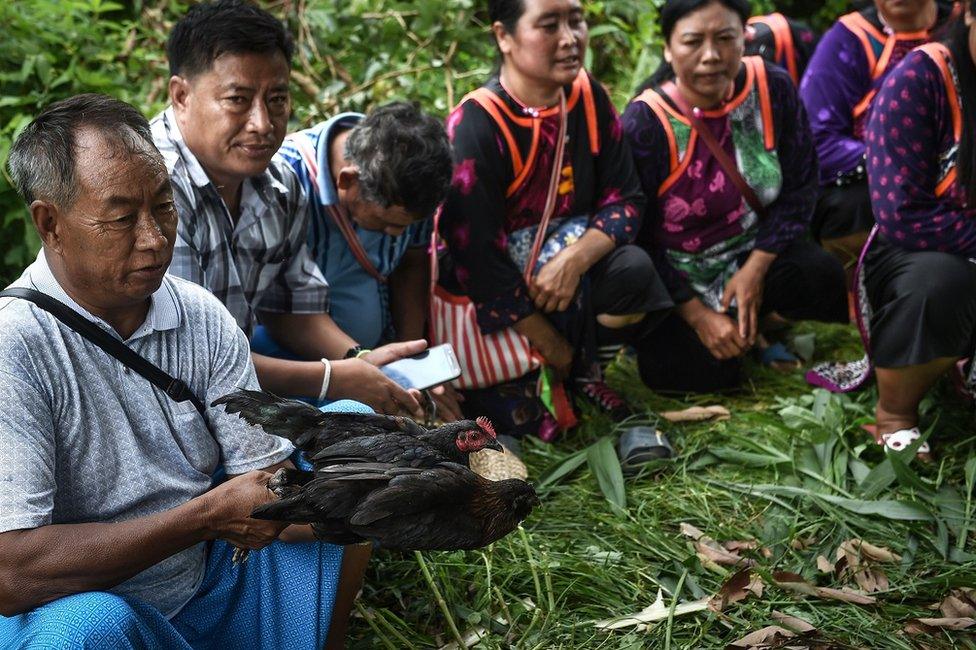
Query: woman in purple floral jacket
pixel 725 264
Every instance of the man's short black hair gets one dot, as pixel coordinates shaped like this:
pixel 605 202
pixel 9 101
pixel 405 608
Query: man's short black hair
pixel 224 27
pixel 42 158
pixel 404 158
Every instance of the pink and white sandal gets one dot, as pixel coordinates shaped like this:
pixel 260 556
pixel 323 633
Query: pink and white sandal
pixel 902 439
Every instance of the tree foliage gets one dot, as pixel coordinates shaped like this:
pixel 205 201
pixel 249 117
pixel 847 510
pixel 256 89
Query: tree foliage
pixel 351 55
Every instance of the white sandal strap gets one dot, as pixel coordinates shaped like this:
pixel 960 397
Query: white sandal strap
pixel 900 440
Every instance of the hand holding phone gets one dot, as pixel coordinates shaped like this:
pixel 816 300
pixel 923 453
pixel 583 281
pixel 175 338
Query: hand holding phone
pixel 434 366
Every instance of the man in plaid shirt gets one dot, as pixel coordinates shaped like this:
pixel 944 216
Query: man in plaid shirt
pixel 243 217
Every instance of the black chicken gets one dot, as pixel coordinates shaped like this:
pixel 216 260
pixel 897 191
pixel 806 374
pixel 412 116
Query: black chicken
pixel 329 438
pixel 445 507
pixel 385 479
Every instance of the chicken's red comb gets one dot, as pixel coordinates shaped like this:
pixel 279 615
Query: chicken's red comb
pixel 485 424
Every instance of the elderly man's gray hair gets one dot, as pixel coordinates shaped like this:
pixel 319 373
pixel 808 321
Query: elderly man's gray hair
pixel 42 159
pixel 404 158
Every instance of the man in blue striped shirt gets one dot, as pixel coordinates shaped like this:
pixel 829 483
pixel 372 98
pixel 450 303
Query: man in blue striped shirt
pixel 373 182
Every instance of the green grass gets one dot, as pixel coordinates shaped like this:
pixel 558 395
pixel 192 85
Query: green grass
pixel 757 476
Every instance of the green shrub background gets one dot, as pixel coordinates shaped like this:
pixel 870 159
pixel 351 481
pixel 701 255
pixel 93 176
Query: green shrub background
pixel 352 54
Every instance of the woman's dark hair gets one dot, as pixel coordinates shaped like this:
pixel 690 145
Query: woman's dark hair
pixel 670 14
pixel 966 71
pixel 506 12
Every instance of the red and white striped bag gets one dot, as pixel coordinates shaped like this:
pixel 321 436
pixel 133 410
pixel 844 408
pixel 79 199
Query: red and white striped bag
pixel 489 359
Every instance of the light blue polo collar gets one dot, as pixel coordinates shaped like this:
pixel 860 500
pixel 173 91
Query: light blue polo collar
pixel 164 311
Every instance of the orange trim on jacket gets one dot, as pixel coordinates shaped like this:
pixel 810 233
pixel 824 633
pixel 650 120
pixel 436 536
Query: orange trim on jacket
pixel 755 78
pixel 782 40
pixel 499 111
pixel 941 56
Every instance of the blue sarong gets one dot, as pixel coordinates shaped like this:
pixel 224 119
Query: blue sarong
pixel 282 597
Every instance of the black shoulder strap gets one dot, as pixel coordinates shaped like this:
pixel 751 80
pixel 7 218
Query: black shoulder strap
pixel 173 387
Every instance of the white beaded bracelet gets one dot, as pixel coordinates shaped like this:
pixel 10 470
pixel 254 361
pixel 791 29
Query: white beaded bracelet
pixel 325 379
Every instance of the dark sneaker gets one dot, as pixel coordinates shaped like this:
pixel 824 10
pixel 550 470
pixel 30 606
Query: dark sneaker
pixel 639 445
pixel 605 397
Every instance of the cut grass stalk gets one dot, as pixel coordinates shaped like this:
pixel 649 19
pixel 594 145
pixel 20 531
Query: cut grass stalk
pixel 368 617
pixel 674 605
pixel 440 599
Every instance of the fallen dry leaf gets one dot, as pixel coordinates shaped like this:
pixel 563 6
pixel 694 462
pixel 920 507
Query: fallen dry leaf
pixel 793 622
pixel 877 553
pixel 960 623
pixel 857 550
pixel 711 552
pixel 960 603
pixel 856 558
pixel 797 583
pixel 846 595
pixel 802 543
pixel 824 565
pixel 714 553
pixel 690 531
pixel 841 566
pixel 768 637
pixel 794 582
pixel 741 545
pixel 756 586
pixel 738 587
pixel 656 611
pixel 934 625
pixel 871 580
pixel 698 414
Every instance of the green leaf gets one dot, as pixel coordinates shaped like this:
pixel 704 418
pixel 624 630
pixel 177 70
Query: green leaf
pixel 907 477
pixel 889 508
pixel 859 470
pixel 799 418
pixel 952 507
pixel 941 541
pixel 600 30
pixel 606 467
pixel 805 345
pixel 748 459
pixel 561 469
pixel 878 479
pixel 970 473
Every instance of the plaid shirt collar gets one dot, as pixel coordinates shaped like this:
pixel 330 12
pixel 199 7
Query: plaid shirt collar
pixel 198 176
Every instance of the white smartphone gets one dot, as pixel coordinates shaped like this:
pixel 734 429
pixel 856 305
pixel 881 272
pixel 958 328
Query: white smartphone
pixel 431 367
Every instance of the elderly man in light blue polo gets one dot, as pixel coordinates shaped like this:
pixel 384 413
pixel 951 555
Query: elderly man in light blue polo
pixel 108 517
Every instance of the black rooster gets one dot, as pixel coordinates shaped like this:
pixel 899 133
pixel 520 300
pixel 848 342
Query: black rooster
pixel 336 437
pixel 445 507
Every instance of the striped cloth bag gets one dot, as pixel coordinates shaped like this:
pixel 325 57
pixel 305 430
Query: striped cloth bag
pixel 499 357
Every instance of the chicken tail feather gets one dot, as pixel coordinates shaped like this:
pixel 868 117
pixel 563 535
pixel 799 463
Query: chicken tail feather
pixel 276 415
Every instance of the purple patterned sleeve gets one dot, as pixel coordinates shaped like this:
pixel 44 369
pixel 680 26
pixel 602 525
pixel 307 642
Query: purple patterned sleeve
pixel 835 82
pixel 904 142
pixel 620 199
pixel 649 146
pixel 789 215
